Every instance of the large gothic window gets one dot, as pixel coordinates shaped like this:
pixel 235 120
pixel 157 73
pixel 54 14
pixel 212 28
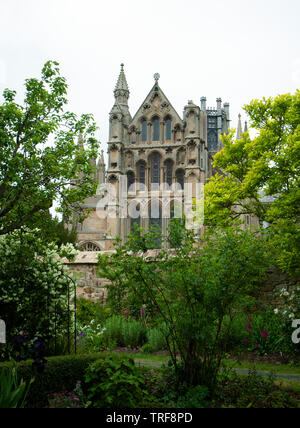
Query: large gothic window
pixel 212 140
pixel 144 130
pixel 136 220
pixel 155 221
pixel 168 129
pixel 169 171
pixel 180 178
pixel 155 168
pixel 142 174
pixel 130 180
pixel 155 129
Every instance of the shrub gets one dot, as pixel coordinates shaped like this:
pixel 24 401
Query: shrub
pixel 88 311
pixel 196 397
pixel 114 382
pixel 265 333
pixel 157 338
pixel 33 288
pixel 114 329
pixel 253 391
pixel 134 334
pixel 193 288
pixel 59 373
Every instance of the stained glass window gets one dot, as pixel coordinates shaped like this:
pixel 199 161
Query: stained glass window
pixel 169 172
pixel 180 178
pixel 155 168
pixel 168 129
pixel 130 180
pixel 155 129
pixel 144 130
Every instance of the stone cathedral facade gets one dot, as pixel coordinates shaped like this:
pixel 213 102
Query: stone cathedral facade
pixel 154 159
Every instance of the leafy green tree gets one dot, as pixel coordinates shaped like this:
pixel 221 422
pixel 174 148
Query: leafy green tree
pixel 269 165
pixel 52 229
pixel 190 290
pixel 34 286
pixel 40 160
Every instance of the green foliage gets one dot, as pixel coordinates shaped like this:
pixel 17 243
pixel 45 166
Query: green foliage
pixel 192 288
pixel 88 311
pixel 114 382
pixel 114 329
pixel 270 163
pixel 68 400
pixel 52 229
pixel 156 339
pixel 33 285
pixel 196 397
pixel 134 334
pixel 59 373
pixel 252 391
pixel 13 392
pixel 33 172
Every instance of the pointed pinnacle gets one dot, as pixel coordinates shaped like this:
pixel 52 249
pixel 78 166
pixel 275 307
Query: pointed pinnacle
pixel 122 83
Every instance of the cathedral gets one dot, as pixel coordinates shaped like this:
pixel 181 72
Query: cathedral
pixel 158 163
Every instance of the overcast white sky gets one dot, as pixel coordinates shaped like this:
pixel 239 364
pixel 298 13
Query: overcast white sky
pixel 234 49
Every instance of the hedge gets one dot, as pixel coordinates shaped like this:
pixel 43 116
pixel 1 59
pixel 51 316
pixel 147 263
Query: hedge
pixel 60 373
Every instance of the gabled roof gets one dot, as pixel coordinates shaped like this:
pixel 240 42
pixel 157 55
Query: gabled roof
pixel 150 107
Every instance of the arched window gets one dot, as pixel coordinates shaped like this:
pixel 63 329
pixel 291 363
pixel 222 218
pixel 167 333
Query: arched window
pixel 168 129
pixel 180 178
pixel 130 180
pixel 142 175
pixel 135 221
pixel 169 171
pixel 144 130
pixel 89 246
pixel 212 140
pixel 155 168
pixel 155 129
pixel 155 222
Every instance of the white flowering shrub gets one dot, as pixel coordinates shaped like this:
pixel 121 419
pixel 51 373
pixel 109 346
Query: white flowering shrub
pixel 91 338
pixel 289 306
pixel 33 286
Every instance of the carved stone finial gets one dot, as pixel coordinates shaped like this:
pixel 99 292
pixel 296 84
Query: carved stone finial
pixel 156 77
pixel 122 67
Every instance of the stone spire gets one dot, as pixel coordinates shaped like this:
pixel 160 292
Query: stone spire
pixel 239 129
pixel 121 91
pixel 101 169
pixel 246 127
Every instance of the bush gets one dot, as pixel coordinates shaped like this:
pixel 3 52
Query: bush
pixel 196 397
pixel 115 382
pixel 253 391
pixel 33 289
pixel 60 373
pixel 131 333
pixel 193 288
pixel 157 338
pixel 134 334
pixel 264 333
pixel 88 311
pixel 114 329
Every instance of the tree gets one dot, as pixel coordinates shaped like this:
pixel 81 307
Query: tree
pixel 34 287
pixel 40 160
pixel 268 166
pixel 193 292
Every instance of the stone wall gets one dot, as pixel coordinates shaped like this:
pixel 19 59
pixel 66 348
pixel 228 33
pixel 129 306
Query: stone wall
pixel 90 286
pixel 84 270
pixel 274 283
